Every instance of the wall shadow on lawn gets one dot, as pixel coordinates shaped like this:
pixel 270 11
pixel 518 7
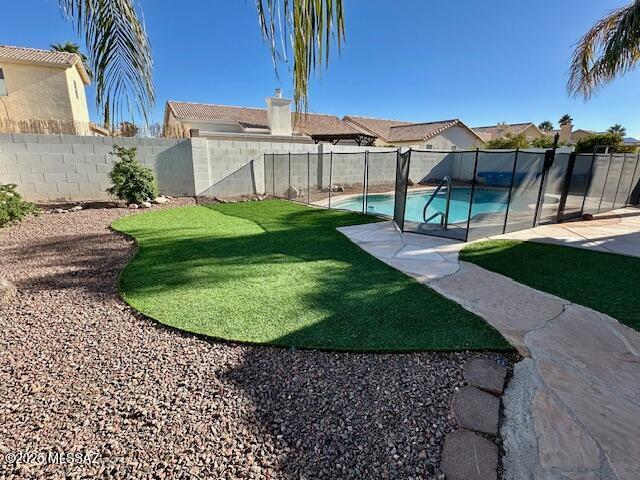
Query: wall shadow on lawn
pixel 353 302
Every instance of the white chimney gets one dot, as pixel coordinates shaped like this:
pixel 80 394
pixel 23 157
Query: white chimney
pixel 279 114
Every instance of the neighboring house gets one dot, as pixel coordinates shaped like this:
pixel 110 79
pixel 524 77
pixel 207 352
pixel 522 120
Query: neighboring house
pixel 493 132
pixel 581 133
pixel 42 91
pixel 275 123
pixel 441 135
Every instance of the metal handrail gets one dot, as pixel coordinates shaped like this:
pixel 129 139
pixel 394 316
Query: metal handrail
pixel 444 221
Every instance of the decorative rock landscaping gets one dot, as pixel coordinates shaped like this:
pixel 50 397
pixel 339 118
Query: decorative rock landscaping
pixel 80 371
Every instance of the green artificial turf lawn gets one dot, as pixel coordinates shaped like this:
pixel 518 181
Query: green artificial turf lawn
pixel 279 273
pixel 605 282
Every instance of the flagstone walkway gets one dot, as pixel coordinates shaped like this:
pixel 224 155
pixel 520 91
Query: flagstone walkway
pixel 572 409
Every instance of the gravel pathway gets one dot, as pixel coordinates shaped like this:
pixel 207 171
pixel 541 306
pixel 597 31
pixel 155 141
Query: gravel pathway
pixel 80 372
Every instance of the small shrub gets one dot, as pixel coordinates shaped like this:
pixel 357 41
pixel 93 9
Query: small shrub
pixel 131 181
pixel 12 207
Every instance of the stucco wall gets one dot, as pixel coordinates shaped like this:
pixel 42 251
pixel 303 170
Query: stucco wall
pixel 39 92
pixel 79 109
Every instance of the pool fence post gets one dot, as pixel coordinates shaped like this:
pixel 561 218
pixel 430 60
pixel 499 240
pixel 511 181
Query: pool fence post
pixel 308 177
pixel 549 158
pixel 565 186
pixel 513 176
pixel 289 190
pixel 406 186
pixel 364 182
pixel 615 195
pixel 635 170
pixel 606 178
pixel 473 188
pixel 330 176
pixel 589 180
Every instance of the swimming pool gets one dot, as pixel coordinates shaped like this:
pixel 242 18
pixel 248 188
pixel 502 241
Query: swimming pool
pixel 485 200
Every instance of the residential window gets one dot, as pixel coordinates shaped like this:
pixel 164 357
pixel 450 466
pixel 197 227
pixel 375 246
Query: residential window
pixel 454 148
pixel 3 84
pixel 428 146
pixel 75 87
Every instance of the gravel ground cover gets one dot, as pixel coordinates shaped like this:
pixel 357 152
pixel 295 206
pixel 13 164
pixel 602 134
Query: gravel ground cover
pixel 80 372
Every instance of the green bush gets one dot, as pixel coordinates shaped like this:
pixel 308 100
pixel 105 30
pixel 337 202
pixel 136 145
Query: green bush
pixel 509 141
pixel 12 207
pixel 131 181
pixel 612 140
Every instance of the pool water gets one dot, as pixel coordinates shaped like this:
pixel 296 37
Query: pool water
pixel 485 200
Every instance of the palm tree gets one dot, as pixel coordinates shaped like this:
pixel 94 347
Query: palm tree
pixel 546 126
pixel 120 54
pixel 610 48
pixel 617 129
pixel 565 119
pixel 73 48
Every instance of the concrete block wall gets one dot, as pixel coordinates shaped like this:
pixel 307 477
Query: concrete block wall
pixel 319 168
pixel 70 167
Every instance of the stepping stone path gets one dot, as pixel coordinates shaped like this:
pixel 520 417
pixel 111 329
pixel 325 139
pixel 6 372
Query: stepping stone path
pixel 466 454
pixel 485 374
pixel 477 410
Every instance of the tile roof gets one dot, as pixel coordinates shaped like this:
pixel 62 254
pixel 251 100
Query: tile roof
pixel 513 128
pixel 320 124
pixel 402 131
pixel 374 126
pixel 204 112
pixel 419 131
pixel 44 57
pixel 310 124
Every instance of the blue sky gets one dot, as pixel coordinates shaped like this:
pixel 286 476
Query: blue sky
pixel 422 60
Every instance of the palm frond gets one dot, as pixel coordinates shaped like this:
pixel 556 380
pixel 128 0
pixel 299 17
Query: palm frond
pixel 610 48
pixel 119 54
pixel 309 29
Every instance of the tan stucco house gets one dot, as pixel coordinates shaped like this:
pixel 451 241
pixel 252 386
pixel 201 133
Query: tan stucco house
pixel 441 135
pixel 42 91
pixel 492 132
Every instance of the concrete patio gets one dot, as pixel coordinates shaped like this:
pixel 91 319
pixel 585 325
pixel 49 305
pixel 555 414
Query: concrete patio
pixel 572 409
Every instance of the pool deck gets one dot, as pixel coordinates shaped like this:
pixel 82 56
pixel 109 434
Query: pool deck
pixel 613 232
pixel 572 409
